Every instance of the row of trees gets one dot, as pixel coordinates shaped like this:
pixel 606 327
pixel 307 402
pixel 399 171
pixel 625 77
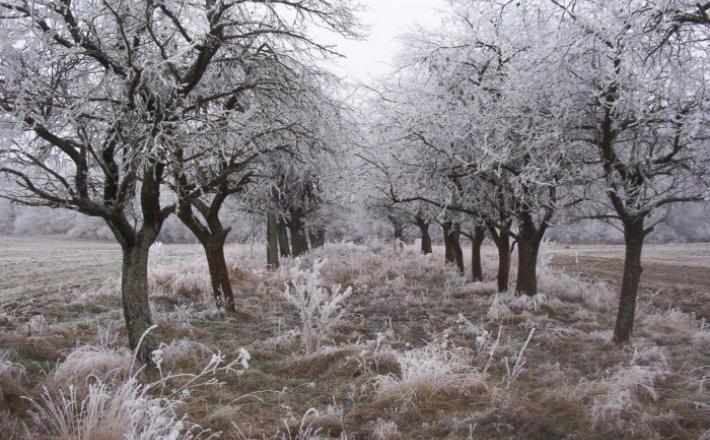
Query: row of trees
pixel 517 111
pixel 131 111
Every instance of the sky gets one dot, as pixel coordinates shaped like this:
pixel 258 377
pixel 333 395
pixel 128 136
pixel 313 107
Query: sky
pixel 385 20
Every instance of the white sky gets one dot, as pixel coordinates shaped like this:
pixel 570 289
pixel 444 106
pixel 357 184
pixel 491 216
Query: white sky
pixel 385 21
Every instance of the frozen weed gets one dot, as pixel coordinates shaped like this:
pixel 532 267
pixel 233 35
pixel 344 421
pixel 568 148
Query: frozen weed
pixel 126 411
pixel 319 308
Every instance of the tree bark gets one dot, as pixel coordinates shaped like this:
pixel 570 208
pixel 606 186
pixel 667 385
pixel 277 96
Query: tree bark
pixel 219 274
pixel 284 246
pixel 528 249
pixel 299 242
pixel 212 236
pixel 317 237
pixel 501 238
pixel 398 230
pixel 426 238
pixel 633 238
pixel 452 242
pixel 134 296
pixel 272 241
pixel 479 234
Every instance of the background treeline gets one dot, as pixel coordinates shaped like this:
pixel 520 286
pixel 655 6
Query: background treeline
pixel 687 223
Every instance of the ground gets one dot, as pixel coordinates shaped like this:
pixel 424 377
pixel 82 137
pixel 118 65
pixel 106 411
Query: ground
pixel 404 348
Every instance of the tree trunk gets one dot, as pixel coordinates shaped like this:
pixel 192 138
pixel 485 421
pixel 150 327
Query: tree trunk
pixel 454 253
pixel 317 236
pixel 299 242
pixel 502 242
pixel 426 238
pixel 219 275
pixel 284 246
pixel 212 236
pixel 526 282
pixel 134 295
pixel 633 237
pixel 398 230
pixel 479 234
pixel 272 241
pixel 529 238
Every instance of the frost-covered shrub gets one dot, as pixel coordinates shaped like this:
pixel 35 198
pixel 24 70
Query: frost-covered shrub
pixel 319 307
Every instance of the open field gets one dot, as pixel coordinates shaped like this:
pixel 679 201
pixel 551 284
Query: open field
pixel 418 353
pixel 675 275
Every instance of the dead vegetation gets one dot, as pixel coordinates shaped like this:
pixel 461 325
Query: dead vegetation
pixel 412 351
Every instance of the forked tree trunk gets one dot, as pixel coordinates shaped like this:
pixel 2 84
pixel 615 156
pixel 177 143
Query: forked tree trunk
pixel 134 296
pixel 633 238
pixel 219 274
pixel 479 234
pixel 284 246
pixel 501 238
pixel 452 243
pixel 272 241
pixel 426 238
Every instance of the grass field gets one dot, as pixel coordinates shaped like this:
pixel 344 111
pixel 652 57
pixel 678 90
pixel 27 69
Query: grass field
pixel 413 352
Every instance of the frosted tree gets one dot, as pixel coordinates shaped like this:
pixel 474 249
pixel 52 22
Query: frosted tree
pixel 96 95
pixel 640 89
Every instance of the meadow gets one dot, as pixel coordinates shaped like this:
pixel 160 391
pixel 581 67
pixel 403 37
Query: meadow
pixel 352 341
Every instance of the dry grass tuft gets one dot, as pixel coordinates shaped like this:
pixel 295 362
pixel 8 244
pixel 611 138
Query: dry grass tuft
pixel 92 363
pixel 435 372
pixel 183 354
pixel 12 375
pixel 111 413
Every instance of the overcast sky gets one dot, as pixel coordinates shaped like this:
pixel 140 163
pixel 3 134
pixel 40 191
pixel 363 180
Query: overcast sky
pixel 386 20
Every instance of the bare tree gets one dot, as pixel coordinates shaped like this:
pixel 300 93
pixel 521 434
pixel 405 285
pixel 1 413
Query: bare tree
pixel 98 94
